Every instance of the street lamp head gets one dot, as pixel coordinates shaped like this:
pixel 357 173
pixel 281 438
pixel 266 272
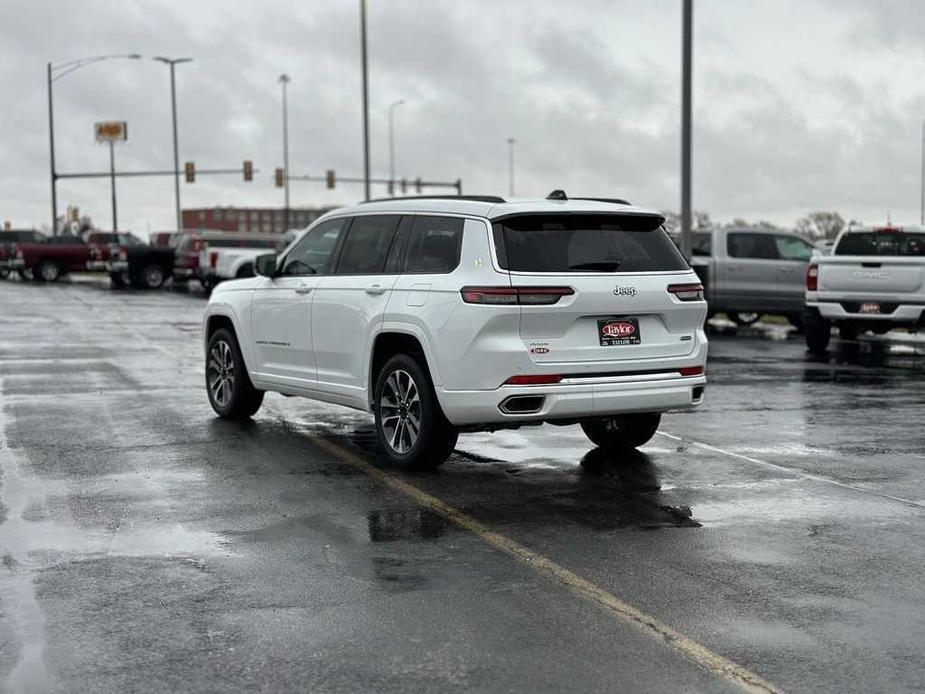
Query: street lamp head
pixel 171 61
pixel 284 79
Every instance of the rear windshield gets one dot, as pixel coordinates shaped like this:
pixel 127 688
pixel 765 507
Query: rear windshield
pixel 881 243
pixel 585 243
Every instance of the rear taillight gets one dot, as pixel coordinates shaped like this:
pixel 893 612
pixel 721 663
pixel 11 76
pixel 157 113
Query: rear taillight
pixel 198 245
pixel 524 296
pixel 533 380
pixel 687 292
pixel 812 278
pixel 213 259
pixel 17 252
pixel 123 255
pixel 691 371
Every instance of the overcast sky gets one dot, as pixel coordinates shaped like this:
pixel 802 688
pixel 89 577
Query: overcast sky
pixel 799 105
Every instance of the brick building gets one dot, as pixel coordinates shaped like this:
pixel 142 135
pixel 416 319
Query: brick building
pixel 257 219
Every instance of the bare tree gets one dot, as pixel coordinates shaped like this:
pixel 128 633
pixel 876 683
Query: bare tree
pixel 821 224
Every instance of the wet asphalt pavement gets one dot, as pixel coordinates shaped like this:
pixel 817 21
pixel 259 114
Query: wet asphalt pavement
pixel 147 546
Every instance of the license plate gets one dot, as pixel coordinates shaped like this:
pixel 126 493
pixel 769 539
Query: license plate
pixel 616 332
pixel 869 308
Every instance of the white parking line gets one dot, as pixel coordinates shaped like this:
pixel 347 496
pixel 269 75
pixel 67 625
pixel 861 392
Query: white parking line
pixel 795 471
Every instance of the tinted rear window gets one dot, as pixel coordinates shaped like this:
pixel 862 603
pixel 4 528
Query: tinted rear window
pixel 585 243
pixel 433 245
pixel 367 244
pixel 881 243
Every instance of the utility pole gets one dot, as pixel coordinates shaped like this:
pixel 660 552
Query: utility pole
pixel 392 145
pixel 112 179
pixel 284 80
pixel 510 166
pixel 172 62
pixel 51 150
pixel 922 208
pixel 365 100
pixel 686 58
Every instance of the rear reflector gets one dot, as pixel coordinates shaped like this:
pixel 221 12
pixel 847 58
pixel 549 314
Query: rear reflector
pixel 532 380
pixel 213 259
pixel 812 278
pixel 524 296
pixel 687 292
pixel 691 371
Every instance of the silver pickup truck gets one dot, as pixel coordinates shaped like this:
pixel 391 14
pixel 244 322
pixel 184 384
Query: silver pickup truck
pixel 750 272
pixel 873 280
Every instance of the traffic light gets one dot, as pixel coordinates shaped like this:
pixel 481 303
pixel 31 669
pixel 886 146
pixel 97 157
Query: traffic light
pixel 417 184
pixel 278 177
pixel 332 178
pixel 190 168
pixel 248 170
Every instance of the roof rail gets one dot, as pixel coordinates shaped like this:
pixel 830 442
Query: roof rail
pixel 470 198
pixel 615 201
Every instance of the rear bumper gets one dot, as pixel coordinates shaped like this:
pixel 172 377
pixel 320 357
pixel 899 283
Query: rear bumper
pixel 833 310
pixel 17 264
pixel 597 398
pixel 96 265
pixel 184 273
pixel 117 266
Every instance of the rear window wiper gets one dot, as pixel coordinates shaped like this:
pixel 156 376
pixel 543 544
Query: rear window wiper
pixel 597 266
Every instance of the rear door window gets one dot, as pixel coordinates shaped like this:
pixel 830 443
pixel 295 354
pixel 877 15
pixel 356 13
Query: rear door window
pixel 433 245
pixel 367 245
pixel 753 246
pixel 563 243
pixel 881 243
pixel 792 248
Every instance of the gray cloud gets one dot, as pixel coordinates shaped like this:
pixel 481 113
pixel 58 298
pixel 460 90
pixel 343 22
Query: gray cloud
pixel 790 115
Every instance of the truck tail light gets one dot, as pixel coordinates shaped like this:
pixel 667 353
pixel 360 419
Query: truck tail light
pixel 213 259
pixel 812 278
pixel 687 292
pixel 17 252
pixel 198 245
pixel 508 296
pixel 691 371
pixel 123 254
pixel 543 380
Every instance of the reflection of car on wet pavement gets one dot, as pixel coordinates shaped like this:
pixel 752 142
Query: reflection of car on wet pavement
pixel 750 272
pixel 873 280
pixel 449 315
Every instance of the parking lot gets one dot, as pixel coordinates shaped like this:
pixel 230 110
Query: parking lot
pixel 772 539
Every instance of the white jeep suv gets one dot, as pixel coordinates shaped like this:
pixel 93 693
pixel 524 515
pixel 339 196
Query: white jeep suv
pixel 442 315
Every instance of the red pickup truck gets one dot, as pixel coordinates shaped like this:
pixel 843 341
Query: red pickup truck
pixel 59 255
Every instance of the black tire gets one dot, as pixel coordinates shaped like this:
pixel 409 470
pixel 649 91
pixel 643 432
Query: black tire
pixel 744 318
pixel 416 402
pixel 153 276
pixel 817 331
pixel 848 331
pixel 236 397
pixel 47 271
pixel 796 320
pixel 4 272
pixel 245 271
pixel 117 280
pixel 622 432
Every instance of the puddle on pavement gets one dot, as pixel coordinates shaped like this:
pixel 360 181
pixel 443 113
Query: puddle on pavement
pixel 389 525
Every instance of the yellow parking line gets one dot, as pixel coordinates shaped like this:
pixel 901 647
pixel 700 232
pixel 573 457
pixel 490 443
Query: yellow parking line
pixel 703 656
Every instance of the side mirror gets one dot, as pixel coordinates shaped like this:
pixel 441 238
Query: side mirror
pixel 265 265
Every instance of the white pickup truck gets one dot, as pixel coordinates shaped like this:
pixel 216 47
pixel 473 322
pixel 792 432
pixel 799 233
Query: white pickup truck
pixel 874 280
pixel 221 259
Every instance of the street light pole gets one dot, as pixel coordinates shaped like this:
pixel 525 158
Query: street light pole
pixel 922 208
pixel 64 69
pixel 510 166
pixel 686 58
pixel 51 151
pixel 392 145
pixel 172 62
pixel 365 100
pixel 284 80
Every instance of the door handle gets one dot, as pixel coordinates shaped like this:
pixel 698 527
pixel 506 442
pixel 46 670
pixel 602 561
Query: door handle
pixel 375 289
pixel 302 290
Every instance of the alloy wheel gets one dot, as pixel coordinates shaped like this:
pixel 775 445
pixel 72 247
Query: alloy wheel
pixel 221 373
pixel 400 411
